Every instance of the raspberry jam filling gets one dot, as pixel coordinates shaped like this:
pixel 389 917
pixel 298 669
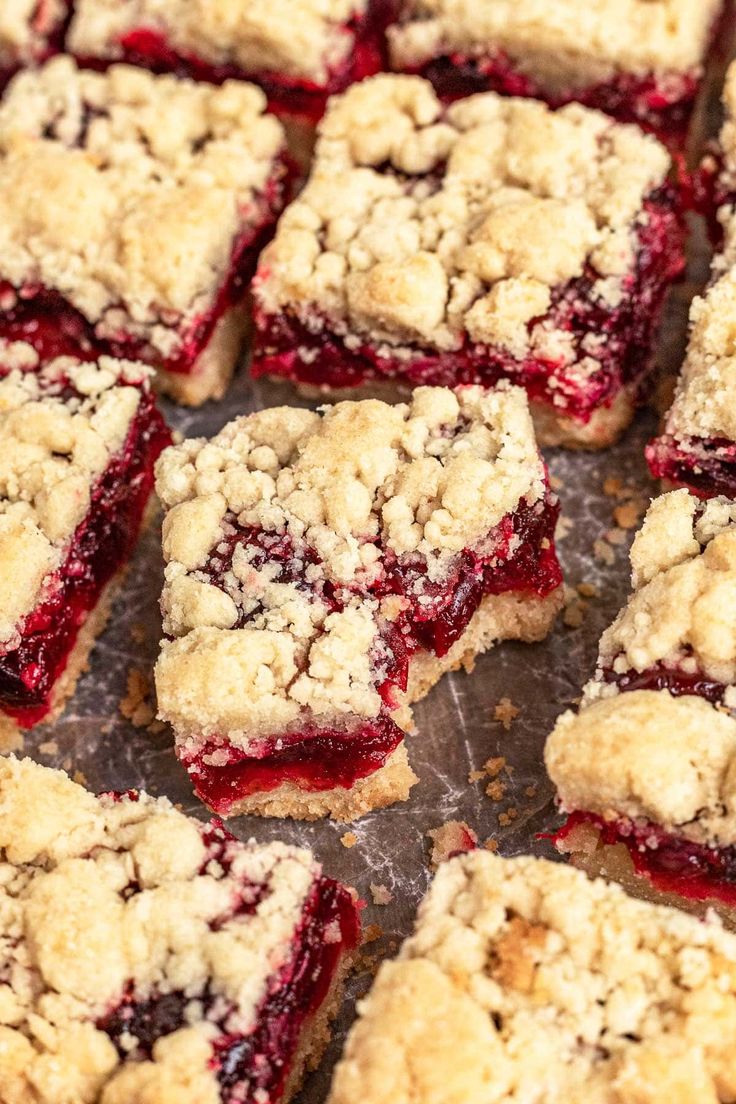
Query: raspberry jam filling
pixel 677 679
pixel 254 1067
pixel 102 544
pixel 520 558
pixel 307 353
pixel 705 467
pixel 662 105
pixel 672 864
pixel 44 319
pixel 287 95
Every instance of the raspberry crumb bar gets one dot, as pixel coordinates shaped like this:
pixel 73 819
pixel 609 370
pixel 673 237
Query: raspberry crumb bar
pixel 132 210
pixel 149 958
pixel 298 51
pixel 641 61
pixel 493 239
pixel 30 31
pixel 525 981
pixel 647 769
pixel 78 442
pixel 324 570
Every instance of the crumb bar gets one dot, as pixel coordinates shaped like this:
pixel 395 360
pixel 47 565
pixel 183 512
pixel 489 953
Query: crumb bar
pixel 148 958
pixel 30 32
pixel 132 210
pixel 324 569
pixel 646 771
pixel 525 981
pixel 78 442
pixel 494 239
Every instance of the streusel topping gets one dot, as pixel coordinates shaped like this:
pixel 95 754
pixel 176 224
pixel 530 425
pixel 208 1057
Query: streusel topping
pixel 568 44
pixel 683 609
pixel 648 754
pixel 350 489
pixel 24 28
pixel 296 38
pixel 139 186
pixel 104 898
pixel 59 427
pixel 427 226
pixel 524 977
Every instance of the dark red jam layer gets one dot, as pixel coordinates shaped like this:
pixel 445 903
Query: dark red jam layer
pixel 301 351
pixel 662 105
pixel 254 1067
pixel 672 864
pixel 287 95
pixel 47 321
pixel 102 544
pixel 672 678
pixel 705 467
pixel 520 558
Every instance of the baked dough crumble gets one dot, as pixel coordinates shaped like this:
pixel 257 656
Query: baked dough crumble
pixel 423 226
pixel 102 898
pixel 24 29
pixel 526 981
pixel 348 491
pixel 60 424
pixel 568 44
pixel 125 192
pixel 297 38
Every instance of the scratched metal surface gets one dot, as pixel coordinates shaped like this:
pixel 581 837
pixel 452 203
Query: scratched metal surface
pixel 456 729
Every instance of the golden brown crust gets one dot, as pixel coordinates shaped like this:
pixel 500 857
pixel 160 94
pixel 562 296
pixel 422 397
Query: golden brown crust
pixel 571 43
pixel 212 371
pixel 298 38
pixel 422 226
pixel 522 973
pixel 141 186
pixel 103 897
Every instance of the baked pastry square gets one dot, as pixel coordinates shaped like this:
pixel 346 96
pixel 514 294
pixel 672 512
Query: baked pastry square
pixel 30 31
pixel 494 239
pixel 525 981
pixel 78 441
pixel 647 769
pixel 298 51
pixel 324 569
pixel 149 958
pixel 132 210
pixel 641 61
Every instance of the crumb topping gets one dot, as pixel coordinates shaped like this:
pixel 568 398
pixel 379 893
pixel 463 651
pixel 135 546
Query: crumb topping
pixel 683 609
pixel 524 974
pixel 347 492
pixel 60 424
pixel 298 38
pixel 431 226
pixel 139 187
pixel 568 44
pixel 648 754
pixel 24 29
pixel 104 898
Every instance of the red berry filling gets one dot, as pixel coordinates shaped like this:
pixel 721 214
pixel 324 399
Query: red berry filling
pixel 287 95
pixel 672 864
pixel 674 678
pixel 313 352
pixel 102 544
pixel 705 467
pixel 519 557
pixel 44 319
pixel 253 1067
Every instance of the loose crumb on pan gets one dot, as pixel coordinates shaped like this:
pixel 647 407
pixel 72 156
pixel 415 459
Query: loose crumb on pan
pixel 137 706
pixel 451 838
pixel 506 712
pixel 349 839
pixel 381 894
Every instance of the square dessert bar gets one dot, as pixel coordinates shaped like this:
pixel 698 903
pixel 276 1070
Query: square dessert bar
pixel 324 569
pixel 641 61
pixel 78 441
pixel 148 958
pixel 132 210
pixel 298 51
pixel 525 981
pixel 30 31
pixel 647 768
pixel 493 239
